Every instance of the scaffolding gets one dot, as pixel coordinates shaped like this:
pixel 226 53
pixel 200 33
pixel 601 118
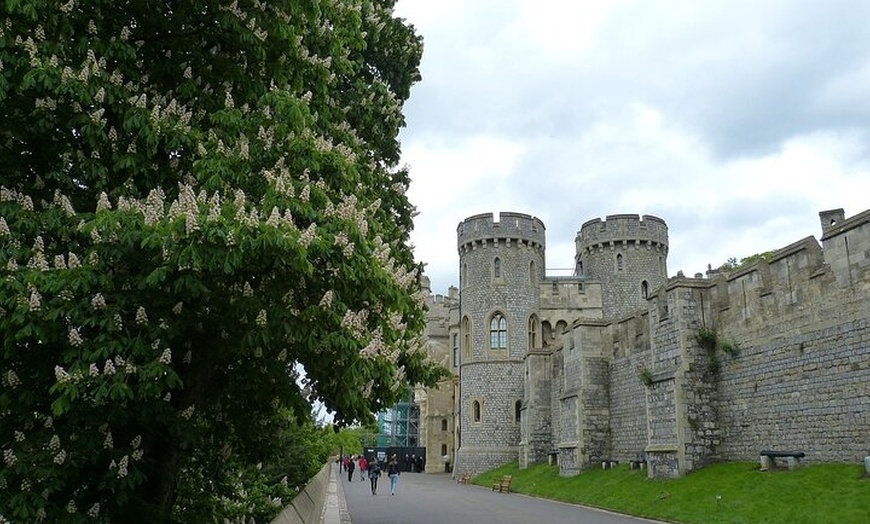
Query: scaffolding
pixel 399 426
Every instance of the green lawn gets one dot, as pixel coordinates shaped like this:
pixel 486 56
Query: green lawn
pixel 734 493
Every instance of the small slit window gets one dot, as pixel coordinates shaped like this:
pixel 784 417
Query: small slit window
pixel 644 289
pixel 533 332
pixel 619 261
pixel 466 339
pixel 496 268
pixel 475 411
pixel 455 350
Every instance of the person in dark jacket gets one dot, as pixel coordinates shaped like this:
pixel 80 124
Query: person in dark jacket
pixel 350 467
pixel 393 473
pixel 374 470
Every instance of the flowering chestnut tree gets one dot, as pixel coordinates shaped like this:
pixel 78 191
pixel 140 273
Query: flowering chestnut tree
pixel 198 200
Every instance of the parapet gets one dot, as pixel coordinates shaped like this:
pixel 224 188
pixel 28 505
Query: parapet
pixel 516 227
pixel 622 229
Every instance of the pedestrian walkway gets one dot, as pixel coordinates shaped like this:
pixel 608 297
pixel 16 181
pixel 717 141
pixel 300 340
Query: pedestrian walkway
pixel 437 499
pixel 335 505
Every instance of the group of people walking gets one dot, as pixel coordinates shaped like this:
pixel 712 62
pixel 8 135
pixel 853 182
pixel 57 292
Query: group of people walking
pixel 372 468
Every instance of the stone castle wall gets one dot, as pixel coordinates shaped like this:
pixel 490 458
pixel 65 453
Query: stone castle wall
pixel 801 377
pixel 800 380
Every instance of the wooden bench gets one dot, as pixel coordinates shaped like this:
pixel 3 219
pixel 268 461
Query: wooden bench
pixel 503 485
pixel 768 458
pixel 463 479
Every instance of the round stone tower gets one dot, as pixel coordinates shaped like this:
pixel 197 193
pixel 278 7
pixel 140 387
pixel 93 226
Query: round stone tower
pixel 501 264
pixel 628 255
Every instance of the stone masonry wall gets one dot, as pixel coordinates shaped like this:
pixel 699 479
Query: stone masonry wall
pixel 802 377
pixel 500 264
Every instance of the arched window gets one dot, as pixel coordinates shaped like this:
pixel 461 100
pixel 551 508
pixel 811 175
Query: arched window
pixel 533 277
pixel 533 332
pixel 466 339
pixel 464 276
pixel 644 289
pixel 619 261
pixel 498 332
pixel 475 411
pixel 496 268
pixel 443 449
pixel 443 424
pixel 518 410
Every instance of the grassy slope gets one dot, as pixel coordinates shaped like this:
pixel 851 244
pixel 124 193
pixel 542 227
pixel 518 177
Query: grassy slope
pixel 733 493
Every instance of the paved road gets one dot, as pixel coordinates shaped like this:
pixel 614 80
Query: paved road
pixel 437 499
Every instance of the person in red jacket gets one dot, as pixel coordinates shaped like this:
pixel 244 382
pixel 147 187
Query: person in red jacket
pixel 362 467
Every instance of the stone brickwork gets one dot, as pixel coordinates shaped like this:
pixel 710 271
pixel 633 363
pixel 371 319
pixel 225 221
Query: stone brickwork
pixel 436 405
pixel 615 368
pixel 623 252
pixel 501 266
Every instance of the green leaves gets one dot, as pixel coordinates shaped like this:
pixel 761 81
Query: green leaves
pixel 253 225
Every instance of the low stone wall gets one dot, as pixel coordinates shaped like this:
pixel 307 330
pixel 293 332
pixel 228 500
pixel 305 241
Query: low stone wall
pixel 307 507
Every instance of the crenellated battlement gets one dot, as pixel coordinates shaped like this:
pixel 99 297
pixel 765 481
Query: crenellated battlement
pixel 518 228
pixel 622 229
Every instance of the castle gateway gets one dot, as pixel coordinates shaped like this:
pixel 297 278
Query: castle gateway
pixel 620 363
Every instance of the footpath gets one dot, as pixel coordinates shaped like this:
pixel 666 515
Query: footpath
pixel 437 499
pixel 335 505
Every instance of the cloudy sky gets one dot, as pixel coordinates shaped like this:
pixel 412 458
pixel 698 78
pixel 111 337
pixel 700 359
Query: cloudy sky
pixel 734 121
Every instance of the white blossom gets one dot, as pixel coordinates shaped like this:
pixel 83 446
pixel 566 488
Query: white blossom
pixel 326 300
pixel 103 203
pixel 12 379
pixel 75 339
pixel 122 466
pixel 9 457
pixel 60 374
pixel 98 301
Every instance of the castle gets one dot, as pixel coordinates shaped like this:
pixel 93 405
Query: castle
pixel 621 363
